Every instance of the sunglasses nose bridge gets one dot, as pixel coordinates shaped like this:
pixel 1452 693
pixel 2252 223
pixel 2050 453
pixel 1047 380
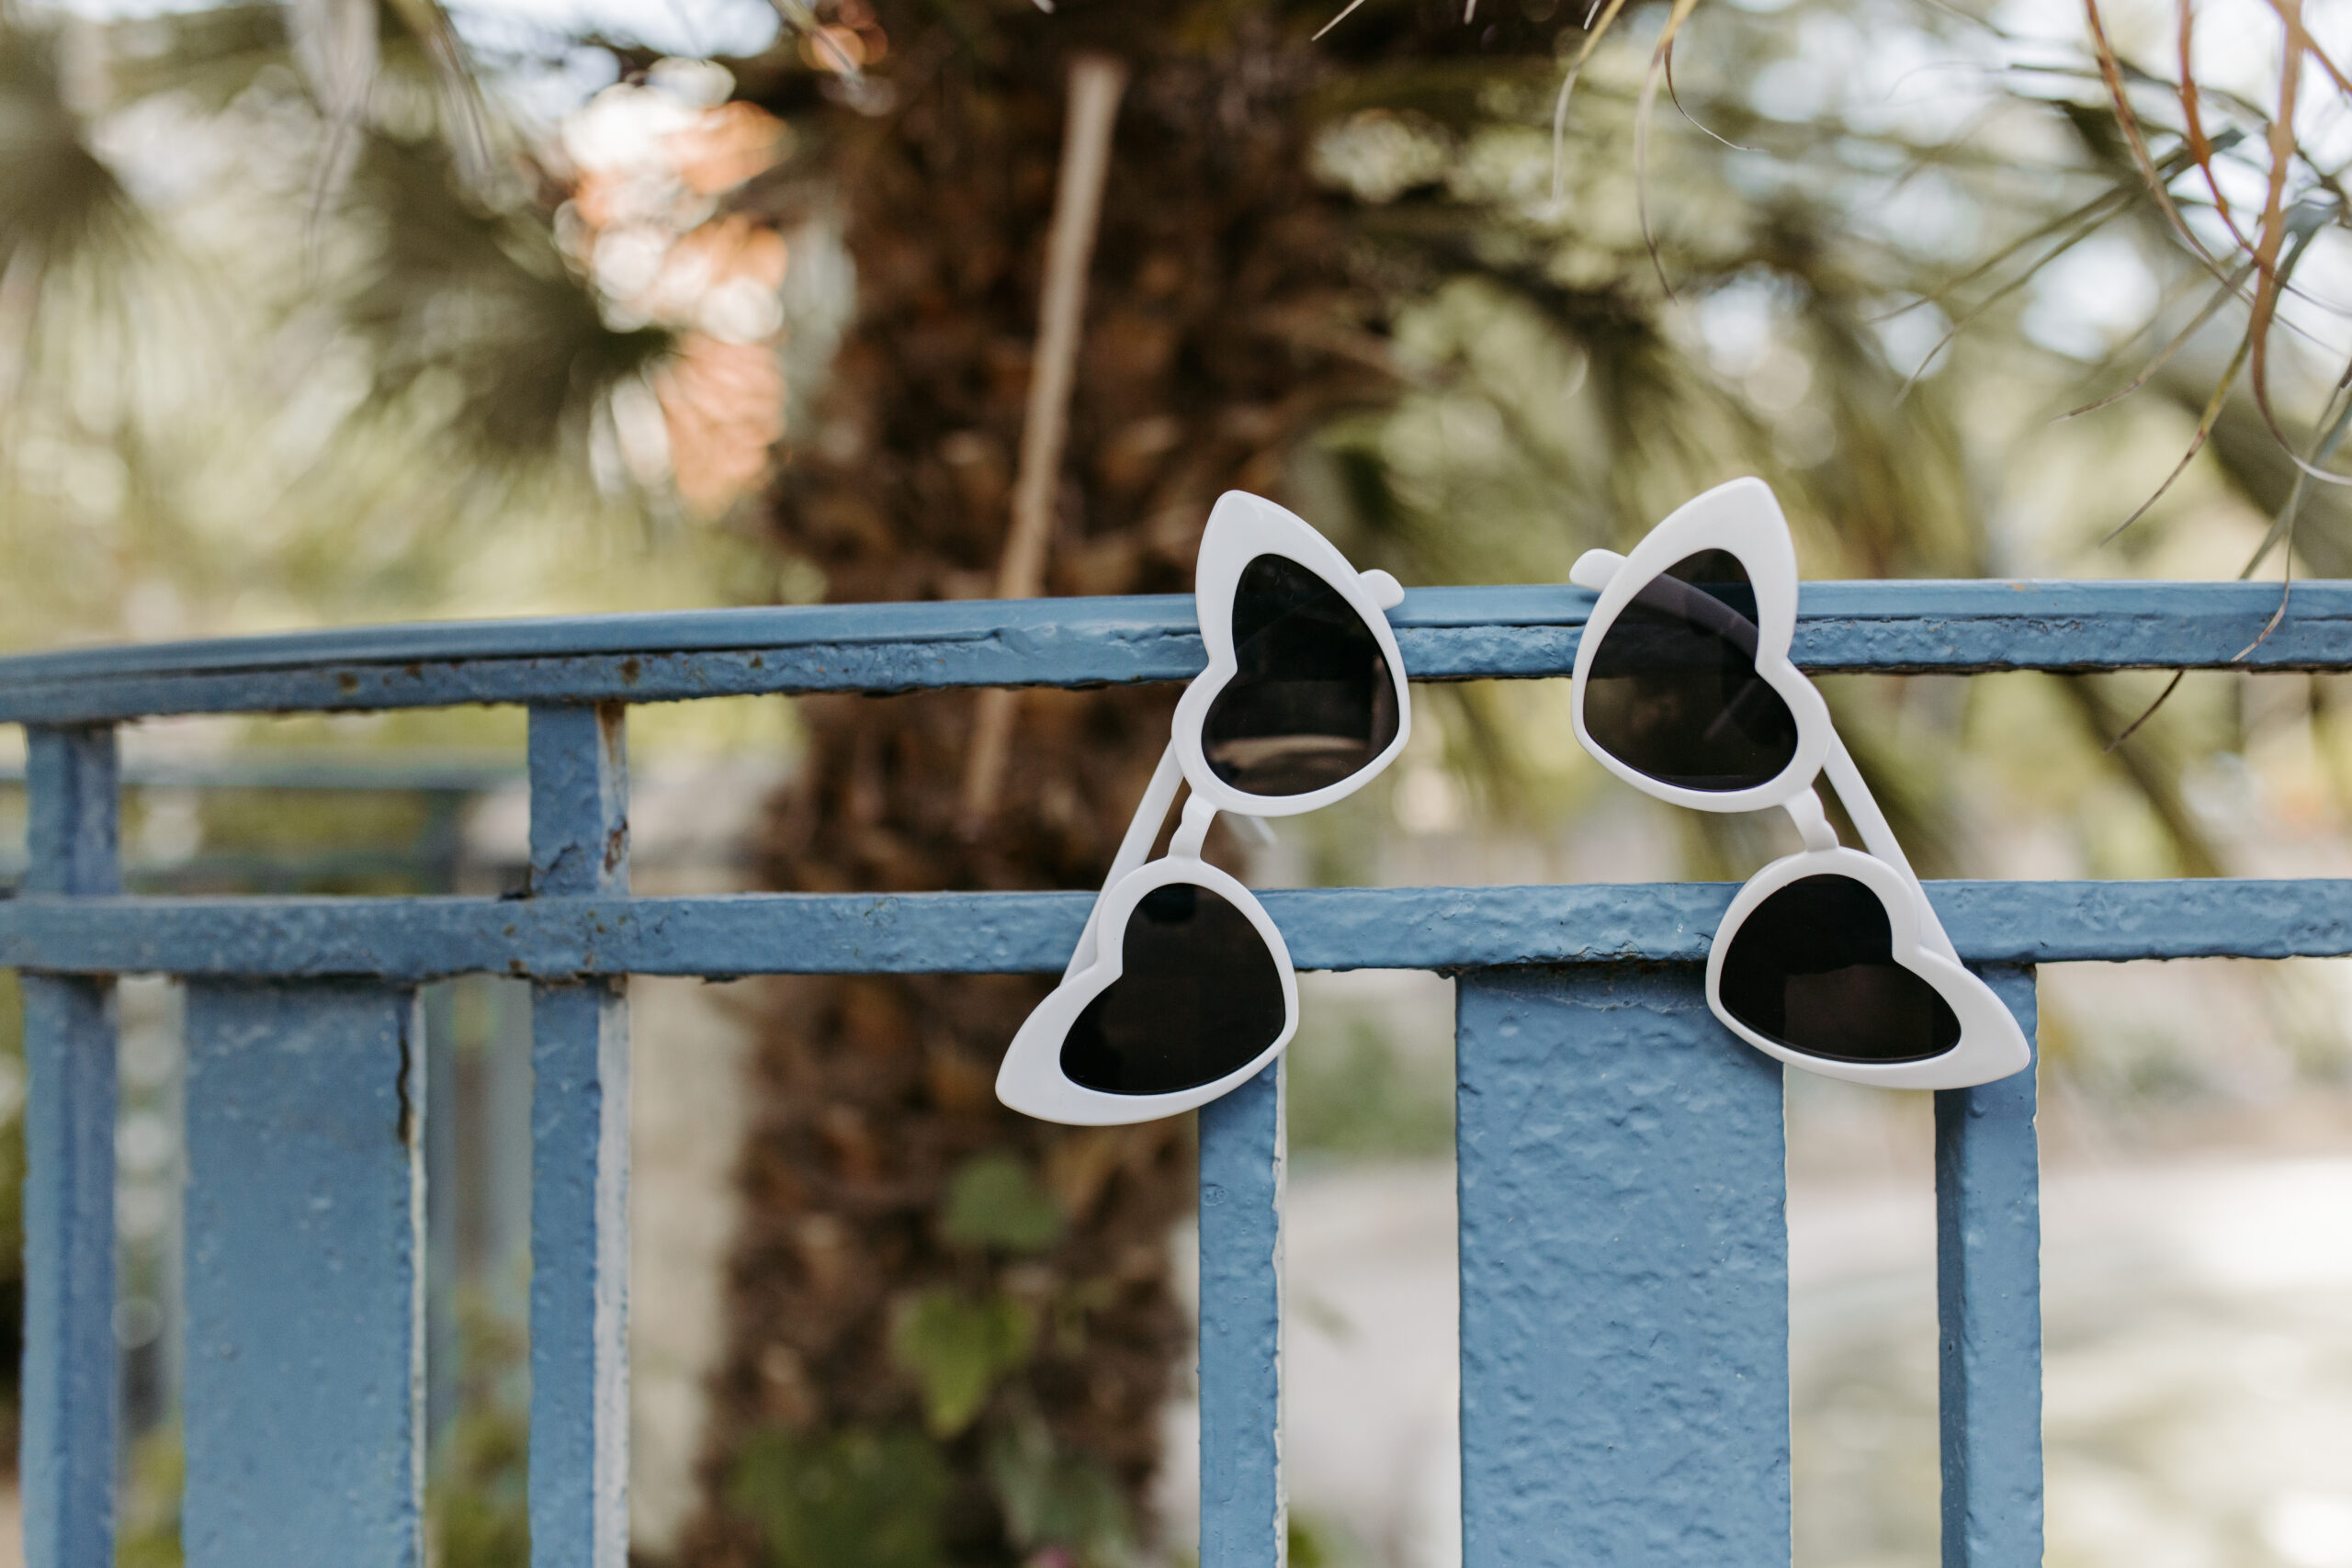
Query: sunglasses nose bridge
pixel 1194 830
pixel 1805 810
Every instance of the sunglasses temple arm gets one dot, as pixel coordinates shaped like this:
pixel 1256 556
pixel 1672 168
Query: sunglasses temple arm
pixel 1878 836
pixel 1135 848
pixel 1595 567
pixel 1596 570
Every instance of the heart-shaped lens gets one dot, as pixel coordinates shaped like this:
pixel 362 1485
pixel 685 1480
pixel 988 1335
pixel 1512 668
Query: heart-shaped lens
pixel 1673 691
pixel 1311 700
pixel 1198 996
pixel 1812 968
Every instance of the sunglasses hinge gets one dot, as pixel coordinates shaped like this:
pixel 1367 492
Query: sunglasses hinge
pixel 1595 567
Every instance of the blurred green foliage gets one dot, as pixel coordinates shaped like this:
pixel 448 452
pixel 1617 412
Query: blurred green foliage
pixel 847 1499
pixel 858 1498
pixel 478 1501
pixel 1313 1544
pixel 1353 1092
pixel 958 1345
pixel 994 1201
pixel 1054 1499
pixel 147 1533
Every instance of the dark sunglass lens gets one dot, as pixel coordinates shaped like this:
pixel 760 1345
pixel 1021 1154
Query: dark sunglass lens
pixel 1812 967
pixel 1199 997
pixel 1312 701
pixel 1673 691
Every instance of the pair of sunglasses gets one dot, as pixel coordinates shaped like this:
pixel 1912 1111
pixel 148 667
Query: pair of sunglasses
pixel 1180 989
pixel 1831 959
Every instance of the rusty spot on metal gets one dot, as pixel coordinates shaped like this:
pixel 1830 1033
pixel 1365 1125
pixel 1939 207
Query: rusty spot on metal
pixel 404 1119
pixel 631 670
pixel 616 846
pixel 347 681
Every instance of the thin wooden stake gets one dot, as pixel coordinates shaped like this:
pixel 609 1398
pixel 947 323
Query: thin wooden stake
pixel 1096 82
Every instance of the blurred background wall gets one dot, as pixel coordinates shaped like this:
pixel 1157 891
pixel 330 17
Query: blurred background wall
pixel 333 310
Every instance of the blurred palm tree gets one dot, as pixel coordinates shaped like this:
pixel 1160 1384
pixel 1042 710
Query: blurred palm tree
pixel 309 351
pixel 1328 270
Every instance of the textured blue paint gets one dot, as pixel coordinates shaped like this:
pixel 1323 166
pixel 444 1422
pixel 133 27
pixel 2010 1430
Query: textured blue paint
pixel 427 774
pixel 1387 928
pixel 578 802
pixel 1244 1516
pixel 1624 1277
pixel 305 1237
pixel 66 1457
pixel 1623 1259
pixel 578 1490
pixel 437 1008
pixel 75 777
pixel 1988 1288
pixel 1444 634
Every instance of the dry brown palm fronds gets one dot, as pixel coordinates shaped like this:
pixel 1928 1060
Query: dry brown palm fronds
pixel 2283 229
pixel 2272 235
pixel 1661 64
pixel 2202 148
pixel 2248 351
pixel 2221 295
pixel 2282 528
pixel 1596 28
pixel 2160 187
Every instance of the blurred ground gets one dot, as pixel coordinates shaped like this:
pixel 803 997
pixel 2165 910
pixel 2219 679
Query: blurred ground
pixel 2197 1324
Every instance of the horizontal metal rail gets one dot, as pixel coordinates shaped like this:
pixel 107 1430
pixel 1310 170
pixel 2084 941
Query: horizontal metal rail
pixel 1445 634
pixel 938 933
pixel 303 771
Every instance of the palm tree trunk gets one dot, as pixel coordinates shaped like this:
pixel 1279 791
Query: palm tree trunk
pixel 1216 255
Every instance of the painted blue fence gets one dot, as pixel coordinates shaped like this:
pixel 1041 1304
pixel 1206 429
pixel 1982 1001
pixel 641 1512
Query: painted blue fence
pixel 1623 1256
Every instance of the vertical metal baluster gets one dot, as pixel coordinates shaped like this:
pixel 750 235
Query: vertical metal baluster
pixel 1624 1276
pixel 305 1240
pixel 68 1446
pixel 1988 1289
pixel 438 1007
pixel 1244 1514
pixel 579 1498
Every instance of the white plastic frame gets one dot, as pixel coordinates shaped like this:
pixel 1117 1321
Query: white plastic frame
pixel 1241 527
pixel 1031 1080
pixel 1744 518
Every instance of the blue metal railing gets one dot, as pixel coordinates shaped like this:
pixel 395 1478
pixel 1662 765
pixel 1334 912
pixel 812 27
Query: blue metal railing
pixel 1623 1259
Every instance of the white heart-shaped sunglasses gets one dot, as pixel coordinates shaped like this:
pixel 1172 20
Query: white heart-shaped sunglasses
pixel 1830 959
pixel 1303 702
